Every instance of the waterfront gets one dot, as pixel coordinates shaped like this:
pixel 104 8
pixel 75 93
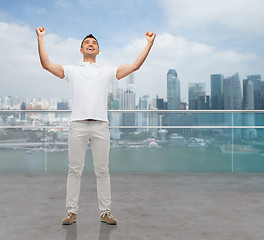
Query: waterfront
pixel 162 159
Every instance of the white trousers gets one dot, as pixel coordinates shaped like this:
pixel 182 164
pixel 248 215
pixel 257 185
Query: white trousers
pixel 80 132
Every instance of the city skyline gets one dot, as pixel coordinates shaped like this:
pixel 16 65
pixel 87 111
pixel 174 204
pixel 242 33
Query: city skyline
pixel 218 37
pixel 226 92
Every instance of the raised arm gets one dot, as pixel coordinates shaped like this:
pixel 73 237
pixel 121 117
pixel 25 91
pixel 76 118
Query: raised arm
pixel 126 69
pixel 54 68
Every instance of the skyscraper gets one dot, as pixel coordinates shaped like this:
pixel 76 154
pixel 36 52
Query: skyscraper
pixel 203 102
pixel 232 93
pixel 23 107
pixel 173 90
pixel 262 93
pixel 173 100
pixel 256 80
pixel 248 104
pixel 63 105
pixel 233 101
pixel 257 102
pixel 131 83
pixel 248 95
pixel 217 101
pixel 160 103
pixel 143 118
pixel 195 90
pixel 128 102
pixel 114 89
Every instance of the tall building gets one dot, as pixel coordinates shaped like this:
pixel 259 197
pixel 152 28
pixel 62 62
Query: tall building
pixel 256 80
pixel 23 115
pixel 195 90
pixel 8 102
pixel 143 103
pixel 173 90
pixel 62 105
pixel 262 93
pixel 131 82
pixel 114 89
pixel 203 102
pixel 248 104
pixel 114 118
pixel 143 118
pixel 173 102
pixel 128 102
pixel 258 104
pixel 217 101
pixel 232 93
pixel 233 101
pixel 160 104
pixel 157 118
pixel 248 95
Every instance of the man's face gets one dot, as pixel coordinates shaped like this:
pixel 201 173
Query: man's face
pixel 90 47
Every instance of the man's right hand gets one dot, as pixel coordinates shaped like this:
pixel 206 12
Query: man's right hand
pixel 54 68
pixel 40 32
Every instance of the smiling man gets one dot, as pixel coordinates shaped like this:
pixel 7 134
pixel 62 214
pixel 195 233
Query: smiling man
pixel 90 85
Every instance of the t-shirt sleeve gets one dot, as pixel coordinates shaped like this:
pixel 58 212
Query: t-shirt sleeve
pixel 67 73
pixel 114 72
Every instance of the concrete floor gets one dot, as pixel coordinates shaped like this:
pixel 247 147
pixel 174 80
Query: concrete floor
pixel 189 206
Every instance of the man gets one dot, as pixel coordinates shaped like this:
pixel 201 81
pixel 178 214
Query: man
pixel 90 84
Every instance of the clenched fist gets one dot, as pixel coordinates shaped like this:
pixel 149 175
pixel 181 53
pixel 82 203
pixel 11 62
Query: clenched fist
pixel 150 36
pixel 40 31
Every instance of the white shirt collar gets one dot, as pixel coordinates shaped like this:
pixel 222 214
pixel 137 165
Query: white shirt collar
pixel 90 64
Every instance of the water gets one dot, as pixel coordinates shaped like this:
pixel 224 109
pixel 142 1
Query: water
pixel 164 159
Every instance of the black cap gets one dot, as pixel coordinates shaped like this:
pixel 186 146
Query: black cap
pixel 89 36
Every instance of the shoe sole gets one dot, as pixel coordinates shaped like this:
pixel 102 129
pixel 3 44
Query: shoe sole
pixel 69 223
pixel 108 223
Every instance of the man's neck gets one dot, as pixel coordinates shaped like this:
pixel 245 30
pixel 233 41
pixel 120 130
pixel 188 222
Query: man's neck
pixel 90 60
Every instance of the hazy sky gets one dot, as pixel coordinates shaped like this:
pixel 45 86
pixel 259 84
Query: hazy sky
pixel 195 37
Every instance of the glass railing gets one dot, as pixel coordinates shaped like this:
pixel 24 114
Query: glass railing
pixel 141 141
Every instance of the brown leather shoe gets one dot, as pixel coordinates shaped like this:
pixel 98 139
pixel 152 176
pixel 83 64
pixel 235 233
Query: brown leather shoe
pixel 108 219
pixel 70 219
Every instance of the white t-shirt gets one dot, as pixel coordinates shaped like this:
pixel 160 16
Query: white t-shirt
pixel 90 85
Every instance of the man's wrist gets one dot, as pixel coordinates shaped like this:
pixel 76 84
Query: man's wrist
pixel 150 43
